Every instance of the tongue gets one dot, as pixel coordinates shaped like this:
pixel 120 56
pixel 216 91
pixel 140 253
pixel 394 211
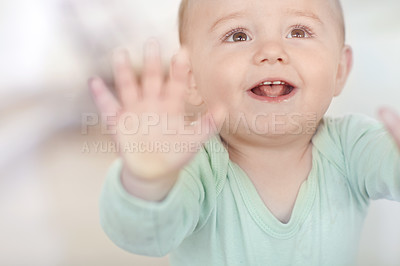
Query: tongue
pixel 270 90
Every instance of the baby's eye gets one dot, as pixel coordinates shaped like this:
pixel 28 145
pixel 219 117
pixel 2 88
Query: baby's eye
pixel 238 36
pixel 299 33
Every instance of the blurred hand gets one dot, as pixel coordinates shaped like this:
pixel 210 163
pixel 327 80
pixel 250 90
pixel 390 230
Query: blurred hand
pixel 392 122
pixel 154 110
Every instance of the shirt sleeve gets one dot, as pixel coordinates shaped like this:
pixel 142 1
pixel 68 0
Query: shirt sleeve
pixel 156 228
pixel 145 227
pixel 372 158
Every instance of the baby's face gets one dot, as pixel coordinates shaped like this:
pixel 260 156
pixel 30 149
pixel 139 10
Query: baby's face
pixel 236 45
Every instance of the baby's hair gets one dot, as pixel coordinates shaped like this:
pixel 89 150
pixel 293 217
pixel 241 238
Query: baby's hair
pixel 184 19
pixel 337 6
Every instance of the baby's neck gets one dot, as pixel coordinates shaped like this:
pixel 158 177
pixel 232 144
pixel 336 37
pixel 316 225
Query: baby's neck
pixel 277 172
pixel 270 161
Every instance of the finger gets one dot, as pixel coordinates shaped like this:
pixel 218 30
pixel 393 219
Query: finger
pixel 152 75
pixel 392 122
pixel 125 79
pixel 103 98
pixel 178 83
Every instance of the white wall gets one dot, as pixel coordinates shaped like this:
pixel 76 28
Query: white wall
pixel 374 33
pixel 373 30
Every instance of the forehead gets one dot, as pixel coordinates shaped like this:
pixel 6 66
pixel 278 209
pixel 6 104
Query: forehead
pixel 204 12
pixel 213 8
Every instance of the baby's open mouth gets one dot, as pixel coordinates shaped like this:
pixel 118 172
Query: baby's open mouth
pixel 272 89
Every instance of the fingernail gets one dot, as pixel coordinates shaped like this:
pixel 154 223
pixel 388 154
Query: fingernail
pixel 181 61
pixel 152 48
pixel 182 57
pixel 119 56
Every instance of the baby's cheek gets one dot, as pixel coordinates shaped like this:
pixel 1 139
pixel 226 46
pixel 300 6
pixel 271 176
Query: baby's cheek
pixel 322 71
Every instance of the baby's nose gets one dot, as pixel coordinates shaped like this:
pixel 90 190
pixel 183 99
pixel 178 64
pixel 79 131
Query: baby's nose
pixel 270 52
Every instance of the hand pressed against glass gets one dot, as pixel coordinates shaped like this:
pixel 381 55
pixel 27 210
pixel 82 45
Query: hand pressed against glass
pixel 155 141
pixel 392 122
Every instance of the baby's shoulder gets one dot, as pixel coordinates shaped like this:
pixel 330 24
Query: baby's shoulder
pixel 210 165
pixel 337 138
pixel 350 121
pixel 349 127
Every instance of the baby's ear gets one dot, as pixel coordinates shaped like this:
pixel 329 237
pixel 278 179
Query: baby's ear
pixel 192 95
pixel 344 68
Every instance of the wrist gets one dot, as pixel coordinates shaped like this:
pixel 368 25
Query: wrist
pixel 147 189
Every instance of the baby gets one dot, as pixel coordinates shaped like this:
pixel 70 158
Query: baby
pixel 262 178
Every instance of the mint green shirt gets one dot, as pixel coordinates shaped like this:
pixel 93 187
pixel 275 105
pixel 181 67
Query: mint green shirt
pixel 214 215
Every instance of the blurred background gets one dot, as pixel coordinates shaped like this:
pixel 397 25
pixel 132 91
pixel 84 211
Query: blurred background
pixel 51 169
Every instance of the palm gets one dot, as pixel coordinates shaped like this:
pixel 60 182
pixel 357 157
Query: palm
pixel 151 130
pixel 392 123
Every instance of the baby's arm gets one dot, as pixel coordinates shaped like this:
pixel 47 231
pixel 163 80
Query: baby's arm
pixel 150 174
pixel 154 228
pixel 372 155
pixel 145 208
